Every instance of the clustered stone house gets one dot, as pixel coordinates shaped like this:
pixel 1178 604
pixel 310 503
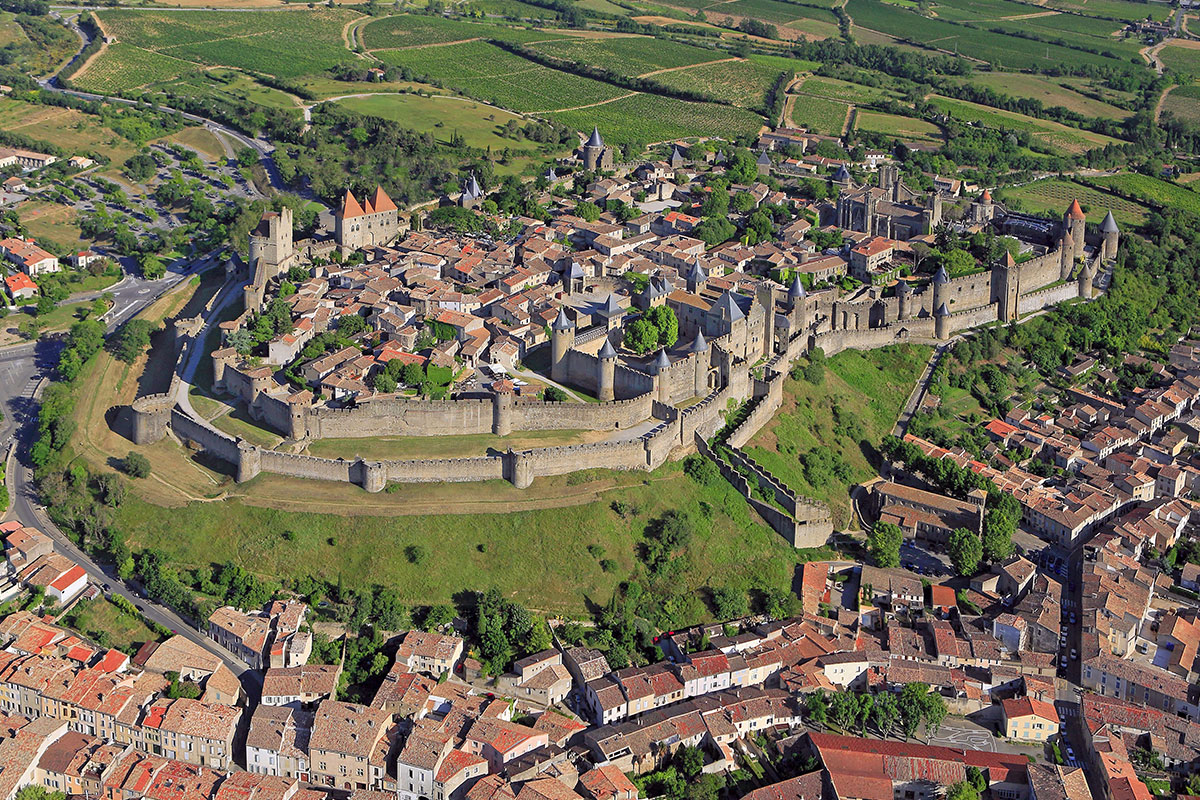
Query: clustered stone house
pixel 572 277
pixel 270 637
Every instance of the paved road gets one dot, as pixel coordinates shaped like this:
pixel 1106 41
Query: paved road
pixel 22 369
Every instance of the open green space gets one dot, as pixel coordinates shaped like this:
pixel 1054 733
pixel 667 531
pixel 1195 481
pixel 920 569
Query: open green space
pixel 492 74
pixel 1153 191
pixel 1183 102
pixel 107 625
pixel 1053 135
pixel 413 30
pixel 842 91
pixel 630 55
pixel 743 83
pixel 1081 31
pixel 796 65
pixel 776 12
pixel 906 128
pixel 476 123
pixel 997 49
pixel 819 440
pixel 1050 91
pixel 819 115
pixel 1181 58
pixel 649 118
pixel 975 9
pixel 1116 9
pixel 1052 196
pixel 408 447
pixel 151 46
pixel 233 86
pixel 539 556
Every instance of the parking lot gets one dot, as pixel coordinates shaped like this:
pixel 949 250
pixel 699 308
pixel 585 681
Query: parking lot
pixel 918 557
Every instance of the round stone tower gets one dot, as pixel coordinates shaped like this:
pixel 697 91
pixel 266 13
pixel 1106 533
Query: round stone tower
pixel 562 339
pixel 904 294
pixel 699 352
pixel 1075 222
pixel 940 279
pixel 941 322
pixel 661 365
pixel 151 414
pixel 1112 235
pixel 606 372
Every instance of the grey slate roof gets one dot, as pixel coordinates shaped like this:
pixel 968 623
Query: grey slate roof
pixel 842 175
pixel 942 311
pixel 941 277
pixel 594 140
pixel 728 305
pixel 562 323
pixel 611 307
pixel 697 274
pixel 698 344
pixel 763 159
pixel 662 362
pixel 796 290
pixel 473 189
pixel 608 351
pixel 1109 225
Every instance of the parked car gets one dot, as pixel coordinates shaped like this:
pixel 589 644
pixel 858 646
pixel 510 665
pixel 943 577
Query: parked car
pixel 1074 654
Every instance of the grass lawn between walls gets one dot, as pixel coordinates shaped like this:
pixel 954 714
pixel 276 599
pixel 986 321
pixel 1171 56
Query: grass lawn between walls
pixel 844 416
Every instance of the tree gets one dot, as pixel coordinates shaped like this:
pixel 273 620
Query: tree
pixel 962 791
pixel 132 340
pixel 911 706
pixel 933 710
pixel 884 713
pixel 641 336
pixel 351 325
pixel 553 394
pixel 136 465
pixel 998 528
pixel 965 550
pixel 44 306
pixel 976 778
pixel 412 374
pixel 587 211
pixel 691 761
pixel 730 603
pixel 866 704
pixel 816 709
pixel 843 706
pixel 663 318
pixel 384 383
pixel 884 544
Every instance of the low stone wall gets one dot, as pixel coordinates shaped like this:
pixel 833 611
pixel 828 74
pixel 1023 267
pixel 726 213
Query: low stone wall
pixel 897 333
pixel 205 437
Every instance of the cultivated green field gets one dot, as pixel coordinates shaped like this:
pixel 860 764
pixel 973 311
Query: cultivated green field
pixel 819 115
pixel 1116 9
pixel 998 49
pixel 489 73
pixel 905 128
pixel 1050 91
pixel 1052 134
pixel 1183 102
pixel 413 30
pixel 285 43
pixel 1051 196
pixel 1180 58
pixel 844 91
pixel 650 118
pixel 633 55
pixel 1081 31
pixel 773 11
pixel 743 83
pixel 1153 191
pixel 974 10
pixel 443 117
pixel 796 65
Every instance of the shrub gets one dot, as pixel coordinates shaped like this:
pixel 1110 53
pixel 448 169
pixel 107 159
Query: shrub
pixel 136 465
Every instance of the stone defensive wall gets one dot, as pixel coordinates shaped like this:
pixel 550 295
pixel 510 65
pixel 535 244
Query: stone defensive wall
pixel 1036 301
pixel 406 417
pixel 836 341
